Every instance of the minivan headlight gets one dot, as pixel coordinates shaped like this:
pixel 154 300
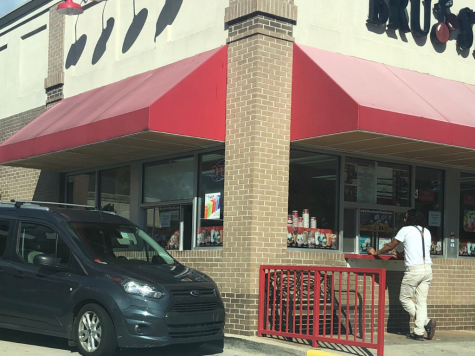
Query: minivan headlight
pixel 142 289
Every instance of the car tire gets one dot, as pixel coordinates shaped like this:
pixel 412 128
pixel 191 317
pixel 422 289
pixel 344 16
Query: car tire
pixel 94 332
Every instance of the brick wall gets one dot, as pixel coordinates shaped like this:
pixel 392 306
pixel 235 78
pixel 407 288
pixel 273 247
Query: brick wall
pixel 22 183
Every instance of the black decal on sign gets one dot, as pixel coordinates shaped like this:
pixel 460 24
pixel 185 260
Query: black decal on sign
pixel 398 17
pixel 378 12
pixel 416 17
pixel 466 20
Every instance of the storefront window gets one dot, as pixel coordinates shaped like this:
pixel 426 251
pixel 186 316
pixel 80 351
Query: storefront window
pixel 377 182
pixel 210 222
pixel 115 191
pixel 169 180
pixel 467 215
pixel 429 199
pixel 82 189
pixel 313 201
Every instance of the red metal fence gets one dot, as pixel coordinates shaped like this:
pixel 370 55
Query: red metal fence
pixel 329 304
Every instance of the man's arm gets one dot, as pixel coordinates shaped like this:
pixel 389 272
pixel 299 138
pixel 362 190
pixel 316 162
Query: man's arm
pixel 387 247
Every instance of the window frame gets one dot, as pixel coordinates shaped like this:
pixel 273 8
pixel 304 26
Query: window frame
pixel 16 244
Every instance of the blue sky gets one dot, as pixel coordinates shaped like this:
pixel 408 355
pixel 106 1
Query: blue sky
pixel 8 5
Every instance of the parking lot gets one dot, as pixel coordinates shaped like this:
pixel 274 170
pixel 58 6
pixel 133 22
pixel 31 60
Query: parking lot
pixel 15 343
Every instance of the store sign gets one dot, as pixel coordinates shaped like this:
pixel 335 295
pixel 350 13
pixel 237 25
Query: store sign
pixel 217 172
pixel 469 200
pixel 426 195
pixel 394 14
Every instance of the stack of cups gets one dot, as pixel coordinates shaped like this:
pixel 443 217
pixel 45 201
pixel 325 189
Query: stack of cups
pixel 295 218
pixel 290 221
pixel 300 222
pixel 313 222
pixel 306 218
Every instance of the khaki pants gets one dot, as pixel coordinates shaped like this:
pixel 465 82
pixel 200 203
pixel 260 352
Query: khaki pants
pixel 416 281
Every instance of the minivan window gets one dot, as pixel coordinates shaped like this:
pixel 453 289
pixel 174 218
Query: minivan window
pixel 119 244
pixel 37 239
pixel 4 230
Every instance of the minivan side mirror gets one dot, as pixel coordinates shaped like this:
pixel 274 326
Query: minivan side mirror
pixel 48 262
pixel 44 260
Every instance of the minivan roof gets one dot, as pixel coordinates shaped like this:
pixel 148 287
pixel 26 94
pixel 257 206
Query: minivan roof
pixel 91 216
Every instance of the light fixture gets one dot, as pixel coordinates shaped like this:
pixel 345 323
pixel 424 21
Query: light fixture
pixel 69 7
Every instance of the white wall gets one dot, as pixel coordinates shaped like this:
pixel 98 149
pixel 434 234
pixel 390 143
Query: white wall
pixel 23 66
pixel 340 26
pixel 108 54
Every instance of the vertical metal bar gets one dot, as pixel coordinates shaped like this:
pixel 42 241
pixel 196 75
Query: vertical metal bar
pixel 364 308
pixel 372 311
pixel 260 326
pixel 273 302
pixel 301 301
pixel 356 304
pixel 316 308
pixel 281 294
pixel 268 300
pixel 347 305
pixel 325 304
pixel 295 301
pixel 308 302
pixel 288 301
pixel 333 304
pixel 381 311
pixel 339 305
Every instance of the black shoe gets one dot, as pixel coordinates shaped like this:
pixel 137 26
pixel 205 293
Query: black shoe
pixel 415 337
pixel 430 328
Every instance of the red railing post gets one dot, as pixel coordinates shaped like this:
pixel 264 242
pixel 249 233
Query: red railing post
pixel 262 294
pixel 381 311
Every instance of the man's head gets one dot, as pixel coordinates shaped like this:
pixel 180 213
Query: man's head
pixel 415 217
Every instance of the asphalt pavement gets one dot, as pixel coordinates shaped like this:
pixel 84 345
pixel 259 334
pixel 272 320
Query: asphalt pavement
pixel 445 343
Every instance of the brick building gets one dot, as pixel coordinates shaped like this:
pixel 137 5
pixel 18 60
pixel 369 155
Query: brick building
pixel 137 107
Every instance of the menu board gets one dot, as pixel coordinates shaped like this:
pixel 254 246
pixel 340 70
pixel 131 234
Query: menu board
pixel 376 221
pixel 365 184
pixel 359 183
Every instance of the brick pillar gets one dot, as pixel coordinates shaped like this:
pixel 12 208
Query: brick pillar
pixel 55 80
pixel 257 150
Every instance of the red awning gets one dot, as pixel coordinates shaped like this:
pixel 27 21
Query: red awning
pixel 178 107
pixel 352 104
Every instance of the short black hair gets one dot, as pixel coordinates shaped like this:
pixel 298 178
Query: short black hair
pixel 415 217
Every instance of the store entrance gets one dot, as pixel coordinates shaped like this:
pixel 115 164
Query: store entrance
pixel 170 225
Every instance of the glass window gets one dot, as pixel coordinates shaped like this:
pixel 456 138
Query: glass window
pixel 313 200
pixel 467 215
pixel 163 225
pixel 169 180
pixel 82 189
pixel 430 200
pixel 4 231
pixel 115 191
pixel 377 182
pixel 36 239
pixel 211 190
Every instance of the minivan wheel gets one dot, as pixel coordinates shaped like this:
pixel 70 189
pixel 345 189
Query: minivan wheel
pixel 94 332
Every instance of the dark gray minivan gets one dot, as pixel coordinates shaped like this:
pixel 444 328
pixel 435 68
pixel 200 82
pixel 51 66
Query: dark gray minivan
pixel 98 280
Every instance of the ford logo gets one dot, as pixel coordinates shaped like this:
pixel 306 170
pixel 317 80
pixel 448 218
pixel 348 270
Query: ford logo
pixel 195 293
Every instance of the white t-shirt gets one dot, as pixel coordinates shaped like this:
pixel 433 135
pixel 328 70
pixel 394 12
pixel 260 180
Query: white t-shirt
pixel 410 236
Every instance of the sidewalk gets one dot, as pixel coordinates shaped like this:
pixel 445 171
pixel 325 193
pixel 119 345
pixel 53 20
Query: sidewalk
pixel 445 343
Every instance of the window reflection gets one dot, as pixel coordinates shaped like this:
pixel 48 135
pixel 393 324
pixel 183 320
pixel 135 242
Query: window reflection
pixel 115 191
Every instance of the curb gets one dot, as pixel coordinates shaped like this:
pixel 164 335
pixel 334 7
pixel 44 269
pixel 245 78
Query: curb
pixel 265 347
pixel 319 353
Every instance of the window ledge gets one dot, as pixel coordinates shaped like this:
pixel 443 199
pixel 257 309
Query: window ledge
pixel 371 257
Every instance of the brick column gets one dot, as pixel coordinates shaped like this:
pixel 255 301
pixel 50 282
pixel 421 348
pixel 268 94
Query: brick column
pixel 257 150
pixel 55 80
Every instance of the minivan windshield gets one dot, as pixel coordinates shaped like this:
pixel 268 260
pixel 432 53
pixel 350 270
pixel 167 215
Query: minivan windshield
pixel 119 244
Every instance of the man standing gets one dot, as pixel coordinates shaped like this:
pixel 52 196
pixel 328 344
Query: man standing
pixel 418 275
